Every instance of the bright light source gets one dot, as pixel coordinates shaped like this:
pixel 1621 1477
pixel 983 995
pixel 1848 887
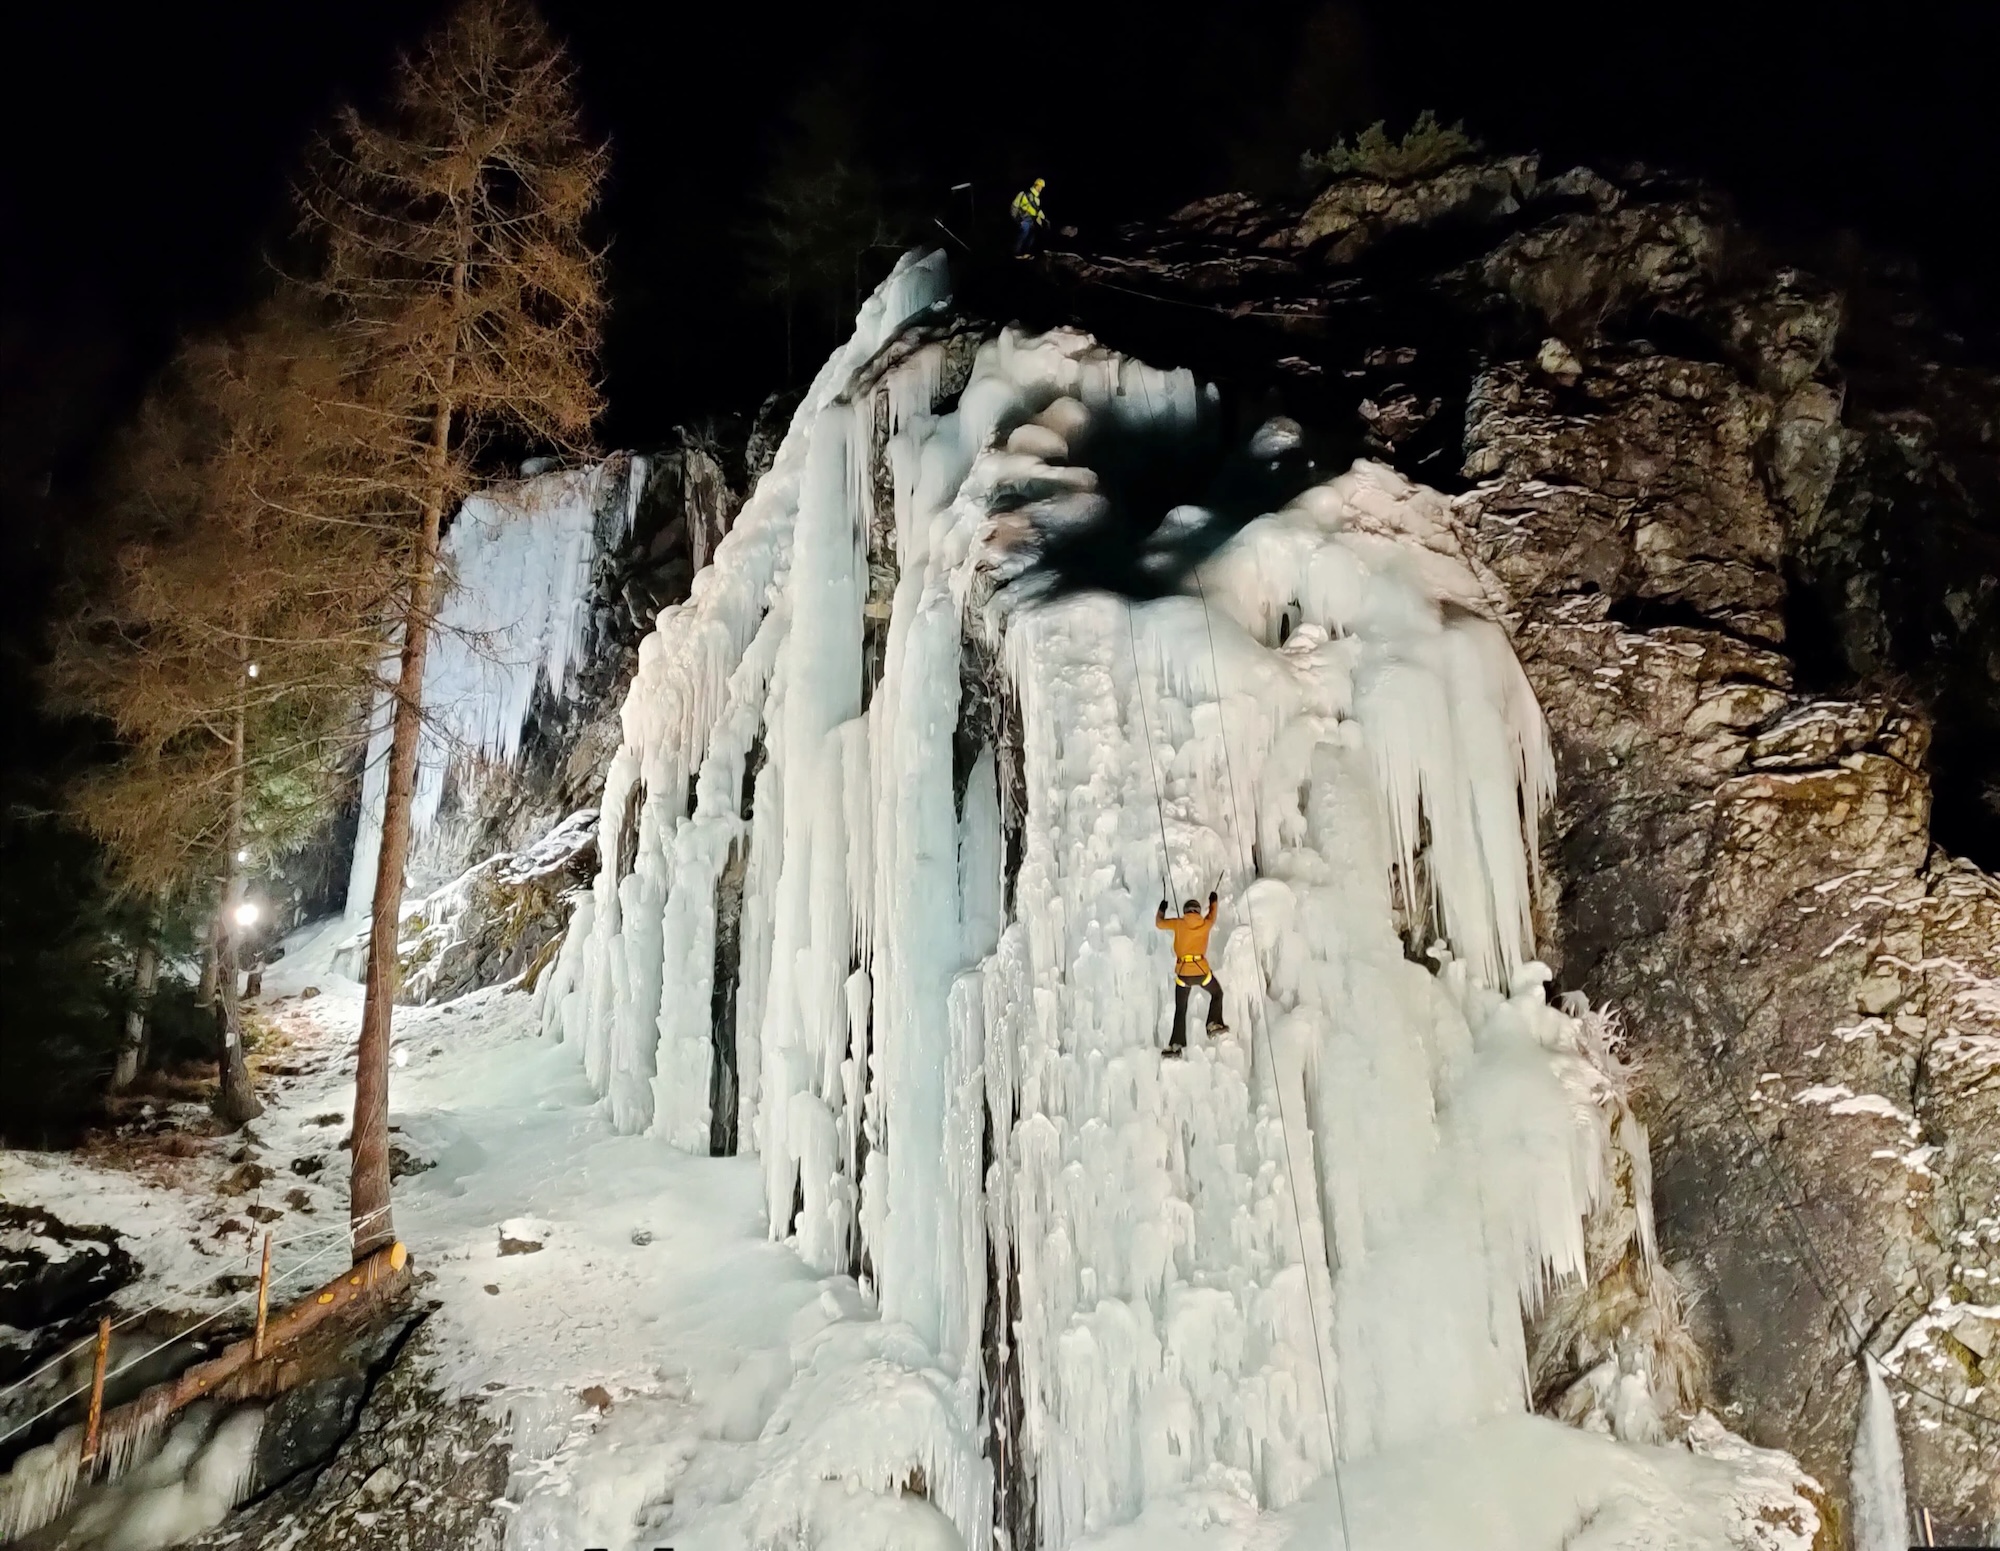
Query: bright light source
pixel 253 670
pixel 242 856
pixel 246 913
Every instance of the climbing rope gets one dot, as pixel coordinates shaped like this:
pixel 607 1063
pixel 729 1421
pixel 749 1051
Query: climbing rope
pixel 1153 769
pixel 1277 1086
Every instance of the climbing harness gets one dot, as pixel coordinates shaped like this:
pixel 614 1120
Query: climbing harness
pixel 1277 1087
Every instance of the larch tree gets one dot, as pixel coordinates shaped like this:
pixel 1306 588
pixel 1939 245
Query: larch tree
pixel 453 244
pixel 229 633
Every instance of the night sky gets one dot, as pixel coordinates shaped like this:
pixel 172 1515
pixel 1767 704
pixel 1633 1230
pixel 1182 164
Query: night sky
pixel 147 151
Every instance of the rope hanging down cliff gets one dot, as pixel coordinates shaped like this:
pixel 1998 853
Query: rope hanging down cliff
pixel 1152 766
pixel 1257 1015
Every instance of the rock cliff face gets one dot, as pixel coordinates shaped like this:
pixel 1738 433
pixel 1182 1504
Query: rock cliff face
pixel 415 1471
pixel 1743 516
pixel 1740 510
pixel 512 837
pixel 688 495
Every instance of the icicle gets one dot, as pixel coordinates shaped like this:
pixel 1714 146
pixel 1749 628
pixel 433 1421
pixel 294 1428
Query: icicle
pixel 1342 1205
pixel 1881 1503
pixel 685 683
pixel 701 849
pixel 518 563
pixel 980 884
pixel 374 796
pixel 153 1486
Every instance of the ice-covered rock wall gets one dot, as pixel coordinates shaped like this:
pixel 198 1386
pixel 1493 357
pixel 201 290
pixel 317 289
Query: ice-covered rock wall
pixel 518 562
pixel 881 857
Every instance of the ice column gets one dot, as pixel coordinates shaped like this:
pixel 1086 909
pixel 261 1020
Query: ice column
pixel 1881 1505
pixel 689 719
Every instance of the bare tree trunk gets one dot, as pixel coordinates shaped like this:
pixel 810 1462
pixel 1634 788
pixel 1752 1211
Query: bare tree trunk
pixel 132 1050
pixel 369 1217
pixel 237 1100
pixel 481 178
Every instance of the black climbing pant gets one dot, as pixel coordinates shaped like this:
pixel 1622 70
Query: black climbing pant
pixel 1181 988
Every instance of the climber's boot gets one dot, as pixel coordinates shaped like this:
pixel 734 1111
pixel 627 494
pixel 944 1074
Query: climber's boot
pixel 1217 1028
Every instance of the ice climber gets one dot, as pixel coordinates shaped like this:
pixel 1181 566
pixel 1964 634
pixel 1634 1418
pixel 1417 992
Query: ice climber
pixel 1027 208
pixel 1191 968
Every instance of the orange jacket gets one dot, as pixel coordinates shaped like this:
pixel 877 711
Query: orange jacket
pixel 1190 941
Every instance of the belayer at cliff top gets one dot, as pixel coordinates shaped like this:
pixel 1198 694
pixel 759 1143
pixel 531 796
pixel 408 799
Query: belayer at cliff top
pixel 1028 216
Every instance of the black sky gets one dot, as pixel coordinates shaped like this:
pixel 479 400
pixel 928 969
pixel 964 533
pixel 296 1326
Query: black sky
pixel 147 152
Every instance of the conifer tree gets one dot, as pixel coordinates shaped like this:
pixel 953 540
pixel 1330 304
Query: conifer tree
pixel 821 210
pixel 454 249
pixel 229 635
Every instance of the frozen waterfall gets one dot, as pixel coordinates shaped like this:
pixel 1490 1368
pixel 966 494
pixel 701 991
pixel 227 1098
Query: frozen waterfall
pixel 517 564
pixel 881 860
pixel 1881 1509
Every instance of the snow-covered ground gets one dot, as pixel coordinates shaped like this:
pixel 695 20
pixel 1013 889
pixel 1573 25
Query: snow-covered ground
pixel 656 1281
pixel 658 1284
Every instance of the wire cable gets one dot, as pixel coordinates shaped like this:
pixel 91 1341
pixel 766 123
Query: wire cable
pixel 154 1351
pixel 88 1341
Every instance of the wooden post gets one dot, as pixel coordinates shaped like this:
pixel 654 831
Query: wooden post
pixel 96 1418
pixel 381 1270
pixel 232 1374
pixel 263 1300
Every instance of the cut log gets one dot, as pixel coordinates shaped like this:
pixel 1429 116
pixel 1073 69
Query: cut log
pixel 379 1276
pixel 239 1371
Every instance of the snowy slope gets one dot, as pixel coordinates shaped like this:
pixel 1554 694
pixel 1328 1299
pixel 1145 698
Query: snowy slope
pixel 1315 1239
pixel 656 1281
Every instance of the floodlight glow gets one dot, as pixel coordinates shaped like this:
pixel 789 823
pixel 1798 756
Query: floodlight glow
pixel 246 913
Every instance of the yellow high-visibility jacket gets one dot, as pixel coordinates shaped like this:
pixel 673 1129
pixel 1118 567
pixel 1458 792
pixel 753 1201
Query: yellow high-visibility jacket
pixel 1028 206
pixel 1190 942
